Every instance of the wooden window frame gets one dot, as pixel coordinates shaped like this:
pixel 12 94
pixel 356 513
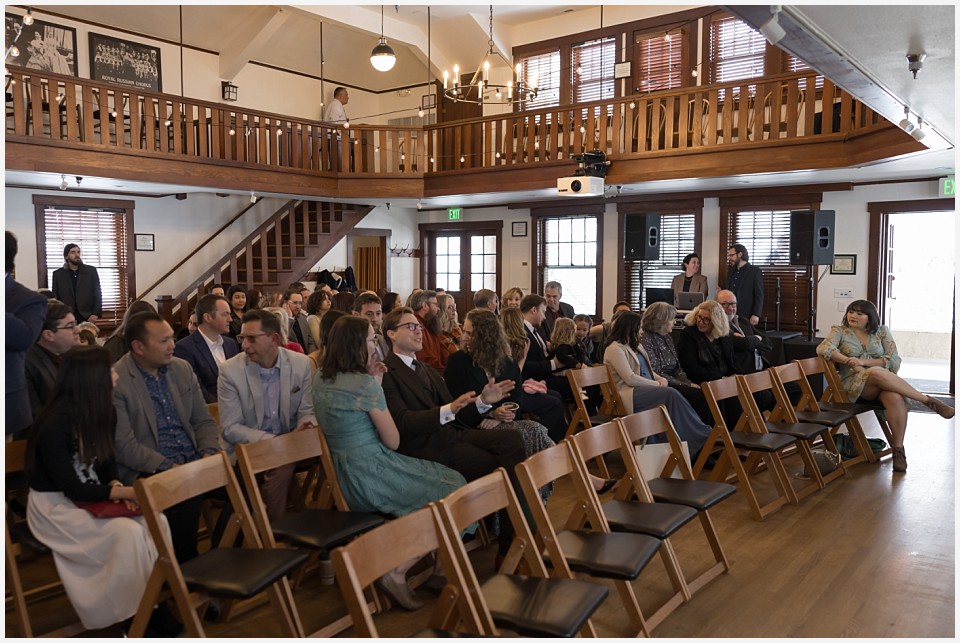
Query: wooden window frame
pixel 775 60
pixel 428 235
pixel 538 250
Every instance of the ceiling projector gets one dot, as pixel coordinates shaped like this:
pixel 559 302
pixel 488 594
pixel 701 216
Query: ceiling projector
pixel 580 186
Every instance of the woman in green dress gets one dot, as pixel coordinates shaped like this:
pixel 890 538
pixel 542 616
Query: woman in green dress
pixel 363 438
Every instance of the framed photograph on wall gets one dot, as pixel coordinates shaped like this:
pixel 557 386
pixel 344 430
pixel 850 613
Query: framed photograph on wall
pixel 121 62
pixel 44 46
pixel 519 229
pixel 144 242
pixel 844 265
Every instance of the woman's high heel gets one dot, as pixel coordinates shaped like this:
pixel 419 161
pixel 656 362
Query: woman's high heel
pixel 938 407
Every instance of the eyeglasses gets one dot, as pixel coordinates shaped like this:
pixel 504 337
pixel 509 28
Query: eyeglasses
pixel 727 304
pixel 252 338
pixel 704 320
pixel 411 326
pixel 69 326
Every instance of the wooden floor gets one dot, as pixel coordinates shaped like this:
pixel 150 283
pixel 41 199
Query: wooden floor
pixel 872 555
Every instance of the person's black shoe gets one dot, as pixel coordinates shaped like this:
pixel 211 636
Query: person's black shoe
pixel 608 484
pixel 212 615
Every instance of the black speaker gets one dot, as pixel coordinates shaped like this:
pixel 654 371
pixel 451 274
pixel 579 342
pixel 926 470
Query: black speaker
pixel 812 237
pixel 641 237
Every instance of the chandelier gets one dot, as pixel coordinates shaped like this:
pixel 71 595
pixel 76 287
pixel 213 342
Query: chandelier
pixel 480 90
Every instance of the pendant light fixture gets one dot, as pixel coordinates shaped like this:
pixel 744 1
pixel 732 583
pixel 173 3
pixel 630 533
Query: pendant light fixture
pixel 382 57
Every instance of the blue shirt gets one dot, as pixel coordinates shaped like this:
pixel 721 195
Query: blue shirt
pixel 173 443
pixel 270 381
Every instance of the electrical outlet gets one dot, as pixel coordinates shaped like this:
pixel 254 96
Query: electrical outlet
pixel 843 293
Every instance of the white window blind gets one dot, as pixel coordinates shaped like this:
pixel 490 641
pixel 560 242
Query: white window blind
pixel 592 66
pixel 660 60
pixel 545 70
pixel 736 50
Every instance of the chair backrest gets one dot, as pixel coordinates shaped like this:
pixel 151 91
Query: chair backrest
pixel 755 383
pixel 598 375
pixel 608 438
pixel 365 559
pixel 792 372
pixel 717 391
pixel 834 392
pixel 646 424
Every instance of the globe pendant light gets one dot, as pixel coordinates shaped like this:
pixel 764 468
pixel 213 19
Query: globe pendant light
pixel 382 57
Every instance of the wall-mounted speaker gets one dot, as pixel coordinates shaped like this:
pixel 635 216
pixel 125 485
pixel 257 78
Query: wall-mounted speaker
pixel 641 237
pixel 812 237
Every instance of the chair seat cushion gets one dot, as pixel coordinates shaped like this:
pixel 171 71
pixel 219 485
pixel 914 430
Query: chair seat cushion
pixel 826 418
pixel 621 556
pixel 658 519
pixel 854 408
pixel 596 420
pixel 767 442
pixel 323 528
pixel 800 430
pixel 699 494
pixel 240 573
pixel 554 607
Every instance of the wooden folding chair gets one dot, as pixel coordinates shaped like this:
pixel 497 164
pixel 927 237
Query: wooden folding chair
pixel 224 572
pixel 685 490
pixel 319 530
pixel 15 462
pixel 835 399
pixel 533 605
pixel 362 561
pixel 760 446
pixel 660 520
pixel 619 557
pixel 612 406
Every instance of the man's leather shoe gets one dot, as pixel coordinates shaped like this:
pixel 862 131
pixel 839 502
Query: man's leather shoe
pixel 399 593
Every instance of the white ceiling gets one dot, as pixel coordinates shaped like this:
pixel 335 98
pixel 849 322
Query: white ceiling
pixel 874 39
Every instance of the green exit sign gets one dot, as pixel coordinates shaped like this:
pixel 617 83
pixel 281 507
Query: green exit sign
pixel 948 186
pixel 453 214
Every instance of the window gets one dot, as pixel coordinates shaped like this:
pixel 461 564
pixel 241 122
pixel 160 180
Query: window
pixel 592 64
pixel 104 234
pixel 736 50
pixel 661 60
pixel 483 259
pixel 544 71
pixel 678 238
pixel 568 251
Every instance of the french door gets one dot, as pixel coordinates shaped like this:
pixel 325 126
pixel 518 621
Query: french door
pixel 461 259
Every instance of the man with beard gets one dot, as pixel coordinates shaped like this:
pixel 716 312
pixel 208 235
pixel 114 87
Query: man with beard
pixel 433 353
pixel 78 286
pixel 746 282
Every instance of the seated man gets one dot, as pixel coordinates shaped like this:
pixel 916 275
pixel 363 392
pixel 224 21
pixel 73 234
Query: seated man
pixel 433 425
pixel 264 392
pixel 162 419
pixel 433 351
pixel 539 365
pixel 210 346
pixel 556 309
pixel 486 298
pixel 59 335
pixel 368 304
pixel 749 346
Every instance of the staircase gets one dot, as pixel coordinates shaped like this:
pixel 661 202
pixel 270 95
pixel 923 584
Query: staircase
pixel 282 250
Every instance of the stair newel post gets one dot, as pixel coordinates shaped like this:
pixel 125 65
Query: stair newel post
pixel 165 308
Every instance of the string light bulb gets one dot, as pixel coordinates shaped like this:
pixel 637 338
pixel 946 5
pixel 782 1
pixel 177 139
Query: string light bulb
pixel 28 19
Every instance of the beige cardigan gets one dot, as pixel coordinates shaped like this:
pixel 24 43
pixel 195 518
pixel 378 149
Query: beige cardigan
pixel 697 284
pixel 625 371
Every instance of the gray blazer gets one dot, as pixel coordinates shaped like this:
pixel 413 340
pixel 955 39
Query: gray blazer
pixel 136 436
pixel 240 397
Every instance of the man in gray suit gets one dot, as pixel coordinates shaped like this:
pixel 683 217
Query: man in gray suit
pixel 264 392
pixel 162 419
pixel 299 330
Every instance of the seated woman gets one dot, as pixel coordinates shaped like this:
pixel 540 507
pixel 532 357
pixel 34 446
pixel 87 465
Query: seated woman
pixel 690 280
pixel 641 388
pixel 284 317
pixel 316 357
pixel 104 563
pixel 867 360
pixel 511 299
pixel 317 306
pixel 363 438
pixel 657 324
pixel 449 324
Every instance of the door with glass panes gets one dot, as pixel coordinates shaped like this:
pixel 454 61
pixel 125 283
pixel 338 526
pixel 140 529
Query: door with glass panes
pixel 462 261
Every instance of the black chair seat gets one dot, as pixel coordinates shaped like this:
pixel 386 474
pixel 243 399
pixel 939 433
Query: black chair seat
pixel 433 633
pixel 323 528
pixel 854 408
pixel 240 573
pixel 800 430
pixel 555 607
pixel 620 556
pixel 657 519
pixel 766 442
pixel 597 420
pixel 699 494
pixel 826 418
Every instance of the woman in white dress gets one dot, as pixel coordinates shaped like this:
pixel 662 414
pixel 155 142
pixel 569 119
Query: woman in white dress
pixel 104 563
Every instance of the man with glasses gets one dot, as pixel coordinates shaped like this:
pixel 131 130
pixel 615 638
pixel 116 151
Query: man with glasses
pixel 746 282
pixel 749 346
pixel 299 330
pixel 59 334
pixel 434 352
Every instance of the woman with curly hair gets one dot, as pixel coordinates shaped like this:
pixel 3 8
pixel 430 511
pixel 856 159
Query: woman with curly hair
pixel 318 304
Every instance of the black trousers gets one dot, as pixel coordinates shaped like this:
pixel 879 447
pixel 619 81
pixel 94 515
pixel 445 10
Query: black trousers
pixel 548 407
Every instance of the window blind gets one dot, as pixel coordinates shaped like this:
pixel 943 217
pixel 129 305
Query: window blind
pixel 736 50
pixel 545 68
pixel 591 70
pixel 660 60
pixel 678 235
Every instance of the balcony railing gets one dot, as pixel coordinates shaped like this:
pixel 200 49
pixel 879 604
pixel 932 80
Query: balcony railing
pixel 94 115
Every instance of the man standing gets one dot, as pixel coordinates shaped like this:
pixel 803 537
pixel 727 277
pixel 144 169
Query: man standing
pixel 486 298
pixel 553 291
pixel 299 328
pixel 78 286
pixel 334 112
pixel 209 347
pixel 749 346
pixel 433 425
pixel 433 351
pixel 162 419
pixel 23 322
pixel 59 334
pixel 746 282
pixel 264 392
pixel 368 304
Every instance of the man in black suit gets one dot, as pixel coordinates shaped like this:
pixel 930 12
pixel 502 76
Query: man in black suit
pixel 209 346
pixel 431 422
pixel 749 346
pixel 59 334
pixel 78 286
pixel 539 365
pixel 24 315
pixel 299 330
pixel 552 292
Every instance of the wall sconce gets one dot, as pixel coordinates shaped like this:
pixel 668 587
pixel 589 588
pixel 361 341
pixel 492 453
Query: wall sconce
pixel 228 90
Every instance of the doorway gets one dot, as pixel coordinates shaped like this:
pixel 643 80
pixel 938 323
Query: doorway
pixel 461 259
pixel 918 302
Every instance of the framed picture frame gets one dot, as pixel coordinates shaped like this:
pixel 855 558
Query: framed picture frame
pixel 45 46
pixel 519 229
pixel 125 63
pixel 844 265
pixel 143 242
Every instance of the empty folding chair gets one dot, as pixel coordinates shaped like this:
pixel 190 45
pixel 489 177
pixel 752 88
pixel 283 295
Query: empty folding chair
pixel 224 572
pixel 619 557
pixel 532 605
pixel 760 446
pixel 612 406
